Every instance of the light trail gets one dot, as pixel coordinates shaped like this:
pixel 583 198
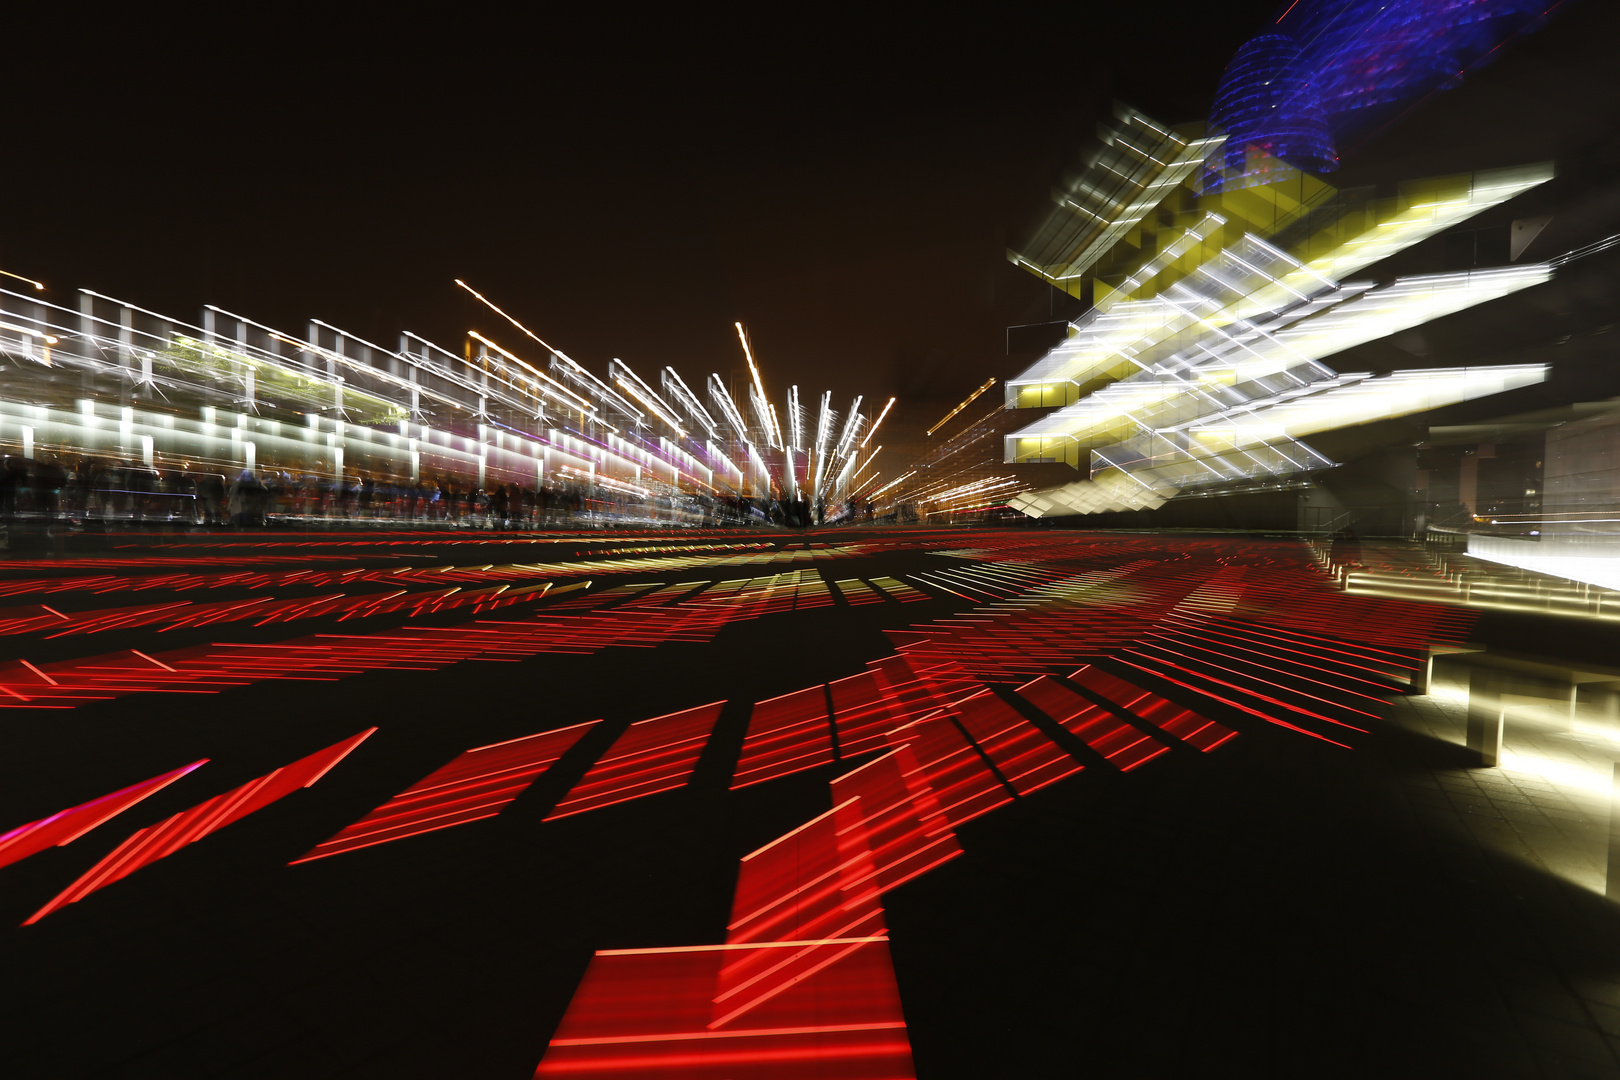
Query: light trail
pixel 988 383
pixel 39 285
pixel 773 435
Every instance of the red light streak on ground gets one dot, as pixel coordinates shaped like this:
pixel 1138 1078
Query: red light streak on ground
pixel 187 613
pixel 786 734
pixel 207 669
pixel 915 687
pixel 477 784
pixel 813 593
pixel 897 589
pixel 949 764
pixel 1278 671
pixel 1157 668
pixel 902 819
pixel 891 692
pixel 148 659
pixel 1025 755
pixel 862 713
pixel 948 680
pixel 68 825
pixel 1305 601
pixel 48 680
pixel 1123 745
pixel 651 756
pixel 827 877
pixel 649 1013
pixel 26 620
pixel 150 844
pixel 1127 596
pixel 1199 665
pixel 816 881
pixel 1332 655
pixel 697 555
pixel 1161 712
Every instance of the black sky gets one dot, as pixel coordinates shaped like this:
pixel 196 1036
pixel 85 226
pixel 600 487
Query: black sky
pixel 627 182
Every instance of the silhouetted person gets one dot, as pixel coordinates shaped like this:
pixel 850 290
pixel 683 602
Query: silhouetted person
pixel 211 496
pixel 13 482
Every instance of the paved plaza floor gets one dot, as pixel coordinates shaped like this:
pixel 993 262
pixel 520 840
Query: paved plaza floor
pixel 1167 807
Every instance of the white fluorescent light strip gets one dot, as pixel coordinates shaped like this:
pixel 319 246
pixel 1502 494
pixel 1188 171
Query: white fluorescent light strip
pixel 1378 313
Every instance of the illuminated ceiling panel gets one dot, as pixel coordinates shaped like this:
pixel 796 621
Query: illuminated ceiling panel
pixel 1113 340
pixel 1263 441
pixel 1254 281
pixel 1249 368
pixel 1426 209
pixel 1137 167
pixel 1399 394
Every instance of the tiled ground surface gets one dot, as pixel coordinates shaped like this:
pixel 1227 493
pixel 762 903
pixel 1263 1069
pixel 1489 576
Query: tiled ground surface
pixel 1530 964
pixel 1281 907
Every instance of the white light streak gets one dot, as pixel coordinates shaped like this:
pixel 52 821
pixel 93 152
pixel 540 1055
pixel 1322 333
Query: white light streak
pixel 873 430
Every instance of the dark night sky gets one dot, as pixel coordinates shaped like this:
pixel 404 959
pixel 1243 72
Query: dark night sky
pixel 845 183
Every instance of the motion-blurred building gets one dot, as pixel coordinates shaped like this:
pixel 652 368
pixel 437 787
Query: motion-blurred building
pixel 112 388
pixel 1418 344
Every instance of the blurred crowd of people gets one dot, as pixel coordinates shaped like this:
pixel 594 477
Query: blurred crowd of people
pixel 90 489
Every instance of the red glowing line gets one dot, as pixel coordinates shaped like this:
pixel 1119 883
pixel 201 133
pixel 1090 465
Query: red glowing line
pixel 709 1060
pixel 593 805
pixel 68 825
pixel 387 839
pixel 159 663
pixel 1162 749
pixel 38 672
pixel 1263 697
pixel 823 1029
pixel 1269 661
pixel 733 946
pixel 781 987
pixel 1244 708
pixel 801 828
pixel 772 970
pixel 895 883
pixel 1298 637
pixel 157 841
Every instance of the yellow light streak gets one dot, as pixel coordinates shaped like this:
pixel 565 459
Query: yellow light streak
pixel 36 284
pixel 487 303
pixel 867 481
pixel 879 420
pixel 867 462
pixel 759 387
pixel 988 383
pixel 580 401
pixel 49 340
pixel 893 482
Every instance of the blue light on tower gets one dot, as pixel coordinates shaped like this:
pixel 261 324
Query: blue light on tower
pixel 1269 110
pixel 1372 58
pixel 1331 72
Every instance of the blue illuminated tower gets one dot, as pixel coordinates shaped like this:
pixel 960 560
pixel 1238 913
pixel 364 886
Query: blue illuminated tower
pixel 1270 110
pixel 1370 59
